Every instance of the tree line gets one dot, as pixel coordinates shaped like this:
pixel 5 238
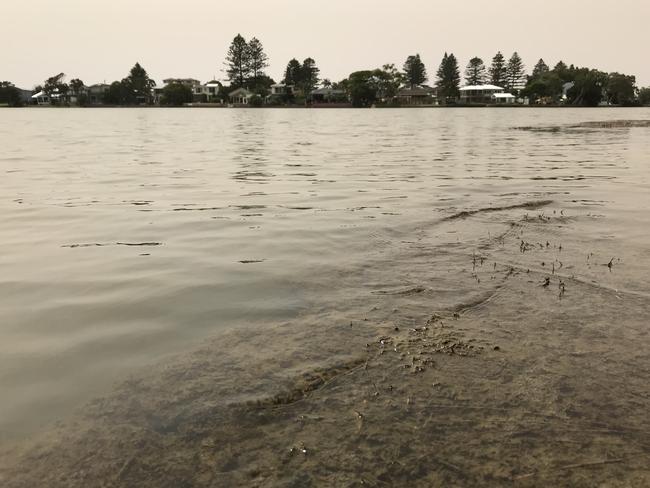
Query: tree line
pixel 246 63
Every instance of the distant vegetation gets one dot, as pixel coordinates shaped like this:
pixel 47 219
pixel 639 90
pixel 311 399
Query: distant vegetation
pixel 246 63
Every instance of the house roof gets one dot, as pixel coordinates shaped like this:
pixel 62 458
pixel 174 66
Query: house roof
pixel 416 91
pixel 240 91
pixel 481 87
pixel 327 91
pixel 39 94
pixel 503 95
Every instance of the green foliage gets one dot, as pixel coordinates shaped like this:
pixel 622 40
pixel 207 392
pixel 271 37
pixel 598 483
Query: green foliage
pixel 176 94
pixel 10 95
pixel 55 85
pixel 308 76
pixel 256 101
pixel 118 94
pixel 138 85
pixel 238 62
pixel 621 89
pixel 644 96
pixel 544 88
pixel 475 73
pixel 563 71
pixel 388 80
pixel 258 61
pixel 292 73
pixel 362 87
pixel 415 72
pixel 498 70
pixel 515 73
pixel 540 68
pixel 588 88
pixel 76 86
pixel 367 87
pixel 448 79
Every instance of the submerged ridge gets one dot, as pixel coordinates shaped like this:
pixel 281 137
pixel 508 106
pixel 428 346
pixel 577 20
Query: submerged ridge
pixel 532 205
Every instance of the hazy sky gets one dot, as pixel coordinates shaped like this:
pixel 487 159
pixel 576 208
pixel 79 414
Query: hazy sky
pixel 98 40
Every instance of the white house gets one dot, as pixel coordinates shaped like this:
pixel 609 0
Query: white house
pixel 503 98
pixel 280 89
pixel 41 98
pixel 485 94
pixel 241 96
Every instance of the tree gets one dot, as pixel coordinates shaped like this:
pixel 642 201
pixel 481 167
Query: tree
pixel 475 73
pixel 644 96
pixel 540 68
pixel 292 73
pixel 56 89
pixel 176 94
pixel 415 72
pixel 308 79
pixel 258 61
pixel 238 62
pixel 515 73
pixel 588 87
pixel 448 79
pixel 563 71
pixel 118 94
pixel 326 83
pixel 10 95
pixel 389 79
pixel 545 88
pixel 621 89
pixel 362 88
pixel 77 88
pixel 137 86
pixel 498 70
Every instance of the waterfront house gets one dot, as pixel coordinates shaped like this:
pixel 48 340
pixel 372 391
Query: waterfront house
pixel 41 98
pixel 328 95
pixel 280 90
pixel 206 93
pixel 241 96
pixel 97 92
pixel 503 98
pixel 483 94
pixel 416 95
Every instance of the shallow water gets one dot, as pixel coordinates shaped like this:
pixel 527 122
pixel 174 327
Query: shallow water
pixel 131 235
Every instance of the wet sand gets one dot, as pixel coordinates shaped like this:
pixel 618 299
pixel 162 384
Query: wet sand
pixel 522 363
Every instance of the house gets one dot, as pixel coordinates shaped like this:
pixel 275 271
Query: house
pixel 483 94
pixel 241 96
pixel 503 98
pixel 41 98
pixel 280 89
pixel 206 93
pixel 96 93
pixel 328 95
pixel 416 95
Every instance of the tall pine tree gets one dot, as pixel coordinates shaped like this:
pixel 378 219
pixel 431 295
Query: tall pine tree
pixel 540 68
pixel 415 72
pixel 448 82
pixel 475 72
pixel 258 61
pixel 308 76
pixel 498 70
pixel 515 73
pixel 292 73
pixel 238 62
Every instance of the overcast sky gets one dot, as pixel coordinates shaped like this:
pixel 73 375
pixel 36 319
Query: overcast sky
pixel 98 40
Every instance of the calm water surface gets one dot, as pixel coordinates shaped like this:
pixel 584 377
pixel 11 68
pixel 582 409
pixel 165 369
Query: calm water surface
pixel 129 235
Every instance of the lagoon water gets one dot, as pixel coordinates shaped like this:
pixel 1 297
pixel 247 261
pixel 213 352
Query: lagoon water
pixel 128 236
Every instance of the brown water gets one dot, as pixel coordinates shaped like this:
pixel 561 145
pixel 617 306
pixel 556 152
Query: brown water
pixel 288 238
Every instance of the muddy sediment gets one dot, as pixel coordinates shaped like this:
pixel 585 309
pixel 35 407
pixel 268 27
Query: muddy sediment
pixel 537 376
